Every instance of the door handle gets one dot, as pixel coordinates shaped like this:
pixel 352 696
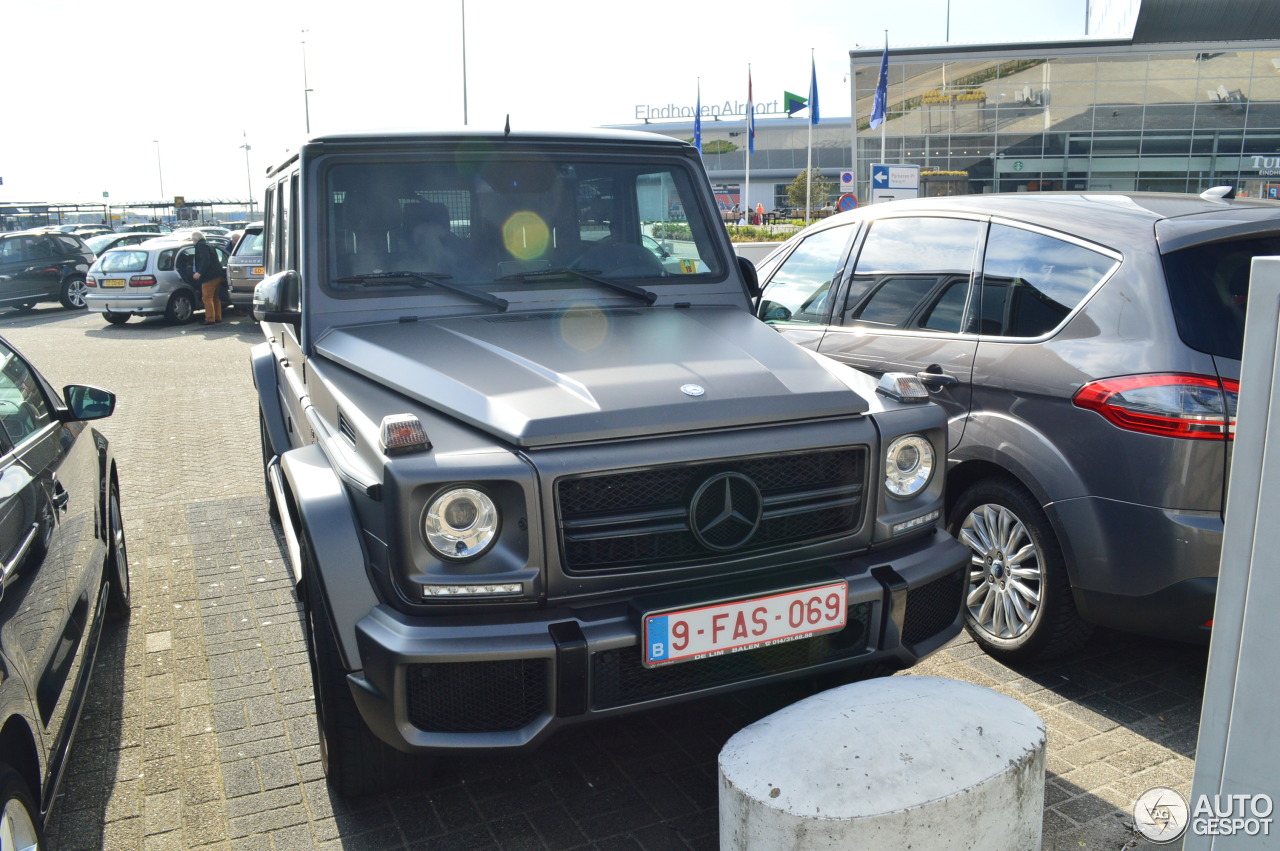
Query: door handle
pixel 61 496
pixel 935 379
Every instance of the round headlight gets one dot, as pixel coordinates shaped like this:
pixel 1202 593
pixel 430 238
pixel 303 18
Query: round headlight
pixel 460 523
pixel 908 466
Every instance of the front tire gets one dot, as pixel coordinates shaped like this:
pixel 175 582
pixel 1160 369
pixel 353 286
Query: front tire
pixel 20 826
pixel 119 589
pixel 273 510
pixel 180 308
pixel 1018 605
pixel 73 293
pixel 355 761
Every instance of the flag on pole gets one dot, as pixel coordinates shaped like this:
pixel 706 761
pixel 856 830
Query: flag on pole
pixel 882 89
pixel 751 116
pixel 697 120
pixel 813 92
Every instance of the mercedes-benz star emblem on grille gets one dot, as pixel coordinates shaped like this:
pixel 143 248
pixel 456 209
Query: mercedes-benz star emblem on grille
pixel 726 511
pixel 692 390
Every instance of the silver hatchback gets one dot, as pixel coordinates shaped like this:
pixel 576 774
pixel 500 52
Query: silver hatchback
pixel 143 280
pixel 1087 351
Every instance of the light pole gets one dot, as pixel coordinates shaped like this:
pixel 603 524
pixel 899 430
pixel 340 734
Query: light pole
pixel 159 170
pixel 248 174
pixel 306 100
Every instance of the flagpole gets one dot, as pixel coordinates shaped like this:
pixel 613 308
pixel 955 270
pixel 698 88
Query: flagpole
pixel 746 193
pixel 808 162
pixel 886 103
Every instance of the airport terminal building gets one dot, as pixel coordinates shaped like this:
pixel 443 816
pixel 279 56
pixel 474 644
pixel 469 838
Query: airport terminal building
pixel 1189 100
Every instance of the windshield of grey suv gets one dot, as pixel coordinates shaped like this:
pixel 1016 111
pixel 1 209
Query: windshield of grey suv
pixel 501 226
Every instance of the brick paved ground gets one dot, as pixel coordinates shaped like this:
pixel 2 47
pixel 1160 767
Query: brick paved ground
pixel 199 732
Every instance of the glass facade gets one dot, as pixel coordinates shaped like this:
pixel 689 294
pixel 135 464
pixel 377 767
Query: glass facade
pixel 1078 117
pixel 1169 121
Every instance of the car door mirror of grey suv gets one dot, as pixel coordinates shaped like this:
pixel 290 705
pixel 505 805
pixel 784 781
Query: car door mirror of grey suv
pixel 275 298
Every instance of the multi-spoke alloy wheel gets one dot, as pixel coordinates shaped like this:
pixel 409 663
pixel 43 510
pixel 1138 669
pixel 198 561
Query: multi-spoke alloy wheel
pixel 1018 603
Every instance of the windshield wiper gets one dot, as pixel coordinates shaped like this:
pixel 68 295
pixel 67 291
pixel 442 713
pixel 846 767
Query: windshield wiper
pixel 417 279
pixel 592 275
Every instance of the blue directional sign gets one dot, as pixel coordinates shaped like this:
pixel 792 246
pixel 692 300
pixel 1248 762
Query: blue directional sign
pixel 880 176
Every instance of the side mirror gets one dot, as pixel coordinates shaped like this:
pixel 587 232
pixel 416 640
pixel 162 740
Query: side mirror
pixel 275 298
pixel 771 311
pixel 88 403
pixel 749 275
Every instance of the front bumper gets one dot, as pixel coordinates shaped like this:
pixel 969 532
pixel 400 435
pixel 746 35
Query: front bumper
pixel 136 304
pixel 477 683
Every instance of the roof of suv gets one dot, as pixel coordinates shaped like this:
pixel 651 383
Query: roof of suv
pixel 1105 216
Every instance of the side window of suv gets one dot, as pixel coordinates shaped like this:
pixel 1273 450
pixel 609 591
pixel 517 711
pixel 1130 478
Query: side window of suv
pixel 914 273
pixel 800 289
pixel 1031 281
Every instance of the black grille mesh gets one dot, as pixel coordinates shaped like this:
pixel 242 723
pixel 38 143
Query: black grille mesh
pixel 619 679
pixel 798 488
pixel 932 608
pixel 476 697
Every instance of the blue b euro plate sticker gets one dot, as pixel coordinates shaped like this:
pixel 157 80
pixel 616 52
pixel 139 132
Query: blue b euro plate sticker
pixel 656 636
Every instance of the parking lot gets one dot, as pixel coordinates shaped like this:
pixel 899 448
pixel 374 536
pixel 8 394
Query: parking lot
pixel 199 730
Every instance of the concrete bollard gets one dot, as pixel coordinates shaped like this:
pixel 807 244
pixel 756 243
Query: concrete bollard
pixel 895 762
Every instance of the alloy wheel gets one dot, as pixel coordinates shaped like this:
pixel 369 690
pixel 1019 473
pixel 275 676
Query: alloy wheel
pixel 1005 571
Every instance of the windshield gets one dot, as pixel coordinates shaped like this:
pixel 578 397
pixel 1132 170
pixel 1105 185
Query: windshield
pixel 516 224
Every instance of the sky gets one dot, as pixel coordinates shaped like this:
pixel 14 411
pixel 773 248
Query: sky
pixel 148 100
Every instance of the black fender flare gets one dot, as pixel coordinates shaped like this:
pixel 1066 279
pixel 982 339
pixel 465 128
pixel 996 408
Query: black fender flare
pixel 333 558
pixel 262 362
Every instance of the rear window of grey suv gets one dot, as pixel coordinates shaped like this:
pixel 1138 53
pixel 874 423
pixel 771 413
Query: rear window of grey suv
pixel 1209 291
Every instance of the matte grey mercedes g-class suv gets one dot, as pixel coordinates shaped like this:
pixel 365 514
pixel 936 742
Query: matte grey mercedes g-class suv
pixel 536 462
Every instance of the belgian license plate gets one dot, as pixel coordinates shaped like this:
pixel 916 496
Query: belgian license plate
pixel 257 270
pixel 699 633
pixel 113 282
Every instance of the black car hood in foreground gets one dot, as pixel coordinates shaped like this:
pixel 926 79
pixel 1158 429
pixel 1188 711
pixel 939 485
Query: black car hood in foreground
pixel 560 377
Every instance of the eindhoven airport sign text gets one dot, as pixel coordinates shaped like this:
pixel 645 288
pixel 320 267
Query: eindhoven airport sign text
pixel 645 111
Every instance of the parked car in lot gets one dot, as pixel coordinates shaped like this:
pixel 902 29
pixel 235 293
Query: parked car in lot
pixel 244 267
pixel 143 280
pixel 102 242
pixel 148 227
pixel 1090 350
pixel 66 570
pixel 43 265
pixel 563 482
pixel 219 237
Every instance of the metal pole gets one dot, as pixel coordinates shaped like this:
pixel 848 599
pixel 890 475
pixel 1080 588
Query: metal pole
pixel 306 100
pixel 248 175
pixel 464 63
pixel 159 170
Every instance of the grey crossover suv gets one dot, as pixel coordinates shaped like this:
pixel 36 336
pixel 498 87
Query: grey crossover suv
pixel 1087 351
pixel 531 472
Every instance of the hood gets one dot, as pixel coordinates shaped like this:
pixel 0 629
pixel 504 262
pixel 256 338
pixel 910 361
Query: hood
pixel 535 379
